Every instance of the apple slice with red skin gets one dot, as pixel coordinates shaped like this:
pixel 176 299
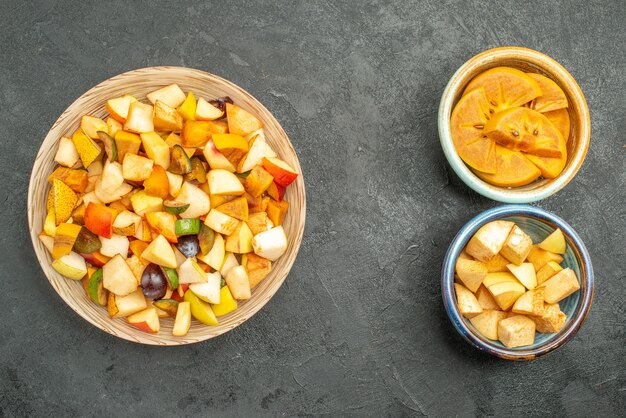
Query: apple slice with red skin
pixel 99 219
pixel 283 174
pixel 276 191
pixel 146 320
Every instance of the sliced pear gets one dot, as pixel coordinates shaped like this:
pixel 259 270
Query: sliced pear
pixel 215 257
pixel 516 331
pixel 471 273
pixel 530 303
pixel 561 285
pixel 270 244
pixel 489 240
pixel 117 277
pixel 238 283
pixel 550 269
pixel 210 290
pixel 199 202
pixel 72 266
pixel 220 222
pixel 190 272
pixel 222 182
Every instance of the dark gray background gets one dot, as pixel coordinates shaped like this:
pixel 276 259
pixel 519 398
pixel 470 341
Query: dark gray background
pixel 358 327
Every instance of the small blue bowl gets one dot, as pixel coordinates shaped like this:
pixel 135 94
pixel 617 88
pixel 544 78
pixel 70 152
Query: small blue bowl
pixel 537 223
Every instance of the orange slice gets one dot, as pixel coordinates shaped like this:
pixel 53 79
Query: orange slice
pixel 512 169
pixel 505 87
pixel 560 120
pixel 524 129
pixel 466 126
pixel 551 98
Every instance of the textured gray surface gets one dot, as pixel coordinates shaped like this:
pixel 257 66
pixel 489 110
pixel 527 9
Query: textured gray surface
pixel 358 327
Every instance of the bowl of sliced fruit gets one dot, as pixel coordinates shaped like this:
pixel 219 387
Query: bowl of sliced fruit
pixel 166 206
pixel 517 282
pixel 514 125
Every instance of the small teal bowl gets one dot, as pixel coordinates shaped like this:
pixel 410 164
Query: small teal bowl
pixel 537 223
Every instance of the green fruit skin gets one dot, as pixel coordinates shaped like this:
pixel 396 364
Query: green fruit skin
pixel 206 238
pixel 180 162
pixel 109 144
pixel 168 305
pixel 97 293
pixel 187 226
pixel 87 242
pixel 200 309
pixel 174 208
pixel 172 277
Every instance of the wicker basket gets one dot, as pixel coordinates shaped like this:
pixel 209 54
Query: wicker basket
pixel 138 83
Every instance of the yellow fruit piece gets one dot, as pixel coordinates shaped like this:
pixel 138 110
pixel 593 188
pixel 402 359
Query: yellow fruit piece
pixel 466 127
pixel 505 87
pixel 49 225
pixel 552 96
pixel 513 169
pixel 227 303
pixel 188 108
pixel 50 201
pixel 555 242
pixel 64 201
pixel 560 119
pixel 87 149
pixel 64 239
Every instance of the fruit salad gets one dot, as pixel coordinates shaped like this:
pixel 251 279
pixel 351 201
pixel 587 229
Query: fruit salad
pixel 510 288
pixel 511 127
pixel 171 207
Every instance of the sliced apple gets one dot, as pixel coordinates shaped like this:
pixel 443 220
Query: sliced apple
pixel 108 196
pixel 111 177
pixel 113 127
pixel 119 106
pixel 182 323
pixel 270 244
pixel 238 283
pixel 215 257
pixel 199 203
pixel 171 95
pixel 66 154
pixel 485 299
pixel 121 306
pixel 47 241
pixel 176 183
pixel 117 244
pixel 220 222
pixel 191 272
pixel 206 111
pixel 487 323
pixel 230 261
pixel 91 125
pixel 259 149
pixel 139 118
pixel 117 277
pixel 208 291
pixel 222 182
pixel 126 223
pixel 156 149
pixel 160 252
pixel 146 320
pixel 144 203
pixel 71 265
pixel 555 242
pixel 216 159
pixel 281 171
pixel 525 273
